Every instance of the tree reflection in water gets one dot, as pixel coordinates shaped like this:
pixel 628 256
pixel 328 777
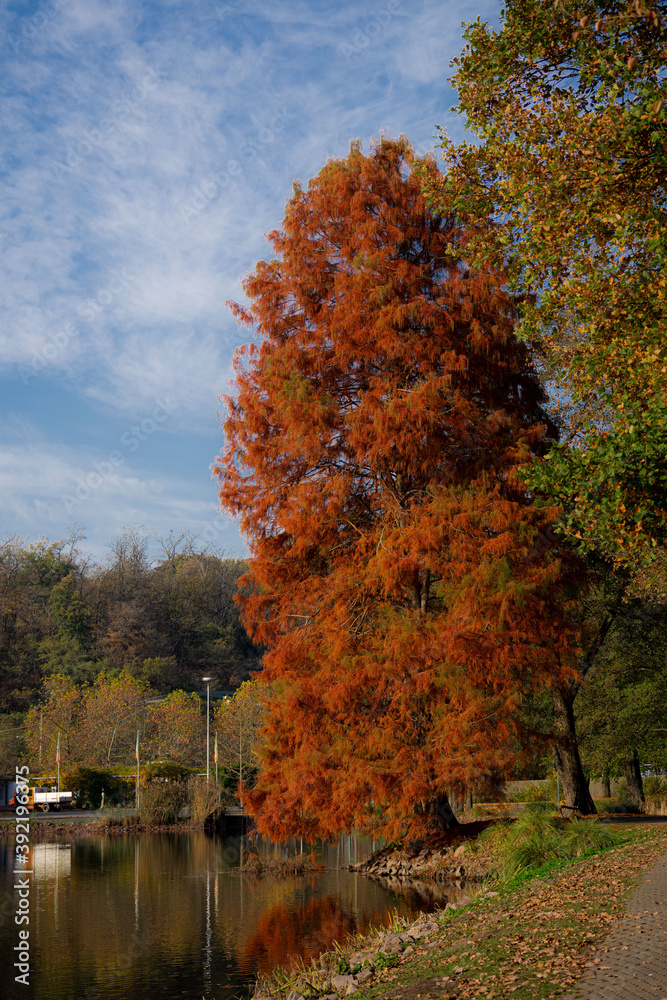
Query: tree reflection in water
pixel 297 931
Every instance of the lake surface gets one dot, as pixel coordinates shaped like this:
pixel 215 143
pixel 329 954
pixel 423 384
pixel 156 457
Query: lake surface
pixel 169 915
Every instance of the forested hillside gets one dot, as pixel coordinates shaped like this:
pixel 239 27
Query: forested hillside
pixel 167 621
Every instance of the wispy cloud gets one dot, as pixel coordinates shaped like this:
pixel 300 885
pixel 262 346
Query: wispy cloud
pixel 44 490
pixel 148 149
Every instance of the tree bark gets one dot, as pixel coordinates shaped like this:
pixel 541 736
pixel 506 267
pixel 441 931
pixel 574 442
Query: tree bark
pixel 606 786
pixel 426 587
pixel 440 814
pixel 566 752
pixel 633 776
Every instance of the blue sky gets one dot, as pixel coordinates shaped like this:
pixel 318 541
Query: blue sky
pixel 148 147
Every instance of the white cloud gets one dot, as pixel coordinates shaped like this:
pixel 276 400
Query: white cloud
pixel 132 204
pixel 44 490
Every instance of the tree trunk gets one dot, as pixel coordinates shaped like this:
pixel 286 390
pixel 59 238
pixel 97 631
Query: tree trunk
pixel 633 776
pixel 566 753
pixel 440 814
pixel 425 591
pixel 606 786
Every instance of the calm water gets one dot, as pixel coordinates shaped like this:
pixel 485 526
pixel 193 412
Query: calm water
pixel 166 916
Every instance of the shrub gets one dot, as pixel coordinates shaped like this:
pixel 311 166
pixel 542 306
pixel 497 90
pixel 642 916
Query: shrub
pixel 203 797
pixel 655 784
pixel 164 769
pixel 545 791
pixel 88 783
pixel 621 802
pixel 160 802
pixel 539 836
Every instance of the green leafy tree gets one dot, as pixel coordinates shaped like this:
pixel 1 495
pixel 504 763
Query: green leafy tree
pixel 175 728
pixel 28 575
pixel 236 723
pixel 621 709
pixel 161 673
pixel 12 742
pixel 64 655
pixel 44 564
pixel 69 651
pixel 565 189
pixel 70 611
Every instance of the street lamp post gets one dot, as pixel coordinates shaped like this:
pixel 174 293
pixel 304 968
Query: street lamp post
pixel 208 703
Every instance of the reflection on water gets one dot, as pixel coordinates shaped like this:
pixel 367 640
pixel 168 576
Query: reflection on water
pixel 170 916
pixel 312 927
pixel 51 861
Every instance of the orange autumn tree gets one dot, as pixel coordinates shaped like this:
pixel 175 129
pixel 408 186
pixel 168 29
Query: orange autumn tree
pixel 405 588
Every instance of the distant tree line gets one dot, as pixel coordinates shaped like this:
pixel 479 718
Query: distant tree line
pixel 120 721
pixel 165 623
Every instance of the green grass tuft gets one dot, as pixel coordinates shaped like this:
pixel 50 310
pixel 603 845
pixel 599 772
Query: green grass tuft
pixel 541 839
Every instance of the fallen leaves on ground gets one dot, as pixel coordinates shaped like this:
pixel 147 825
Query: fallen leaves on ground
pixel 532 942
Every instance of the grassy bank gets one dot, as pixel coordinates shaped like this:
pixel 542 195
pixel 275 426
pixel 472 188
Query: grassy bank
pixel 528 935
